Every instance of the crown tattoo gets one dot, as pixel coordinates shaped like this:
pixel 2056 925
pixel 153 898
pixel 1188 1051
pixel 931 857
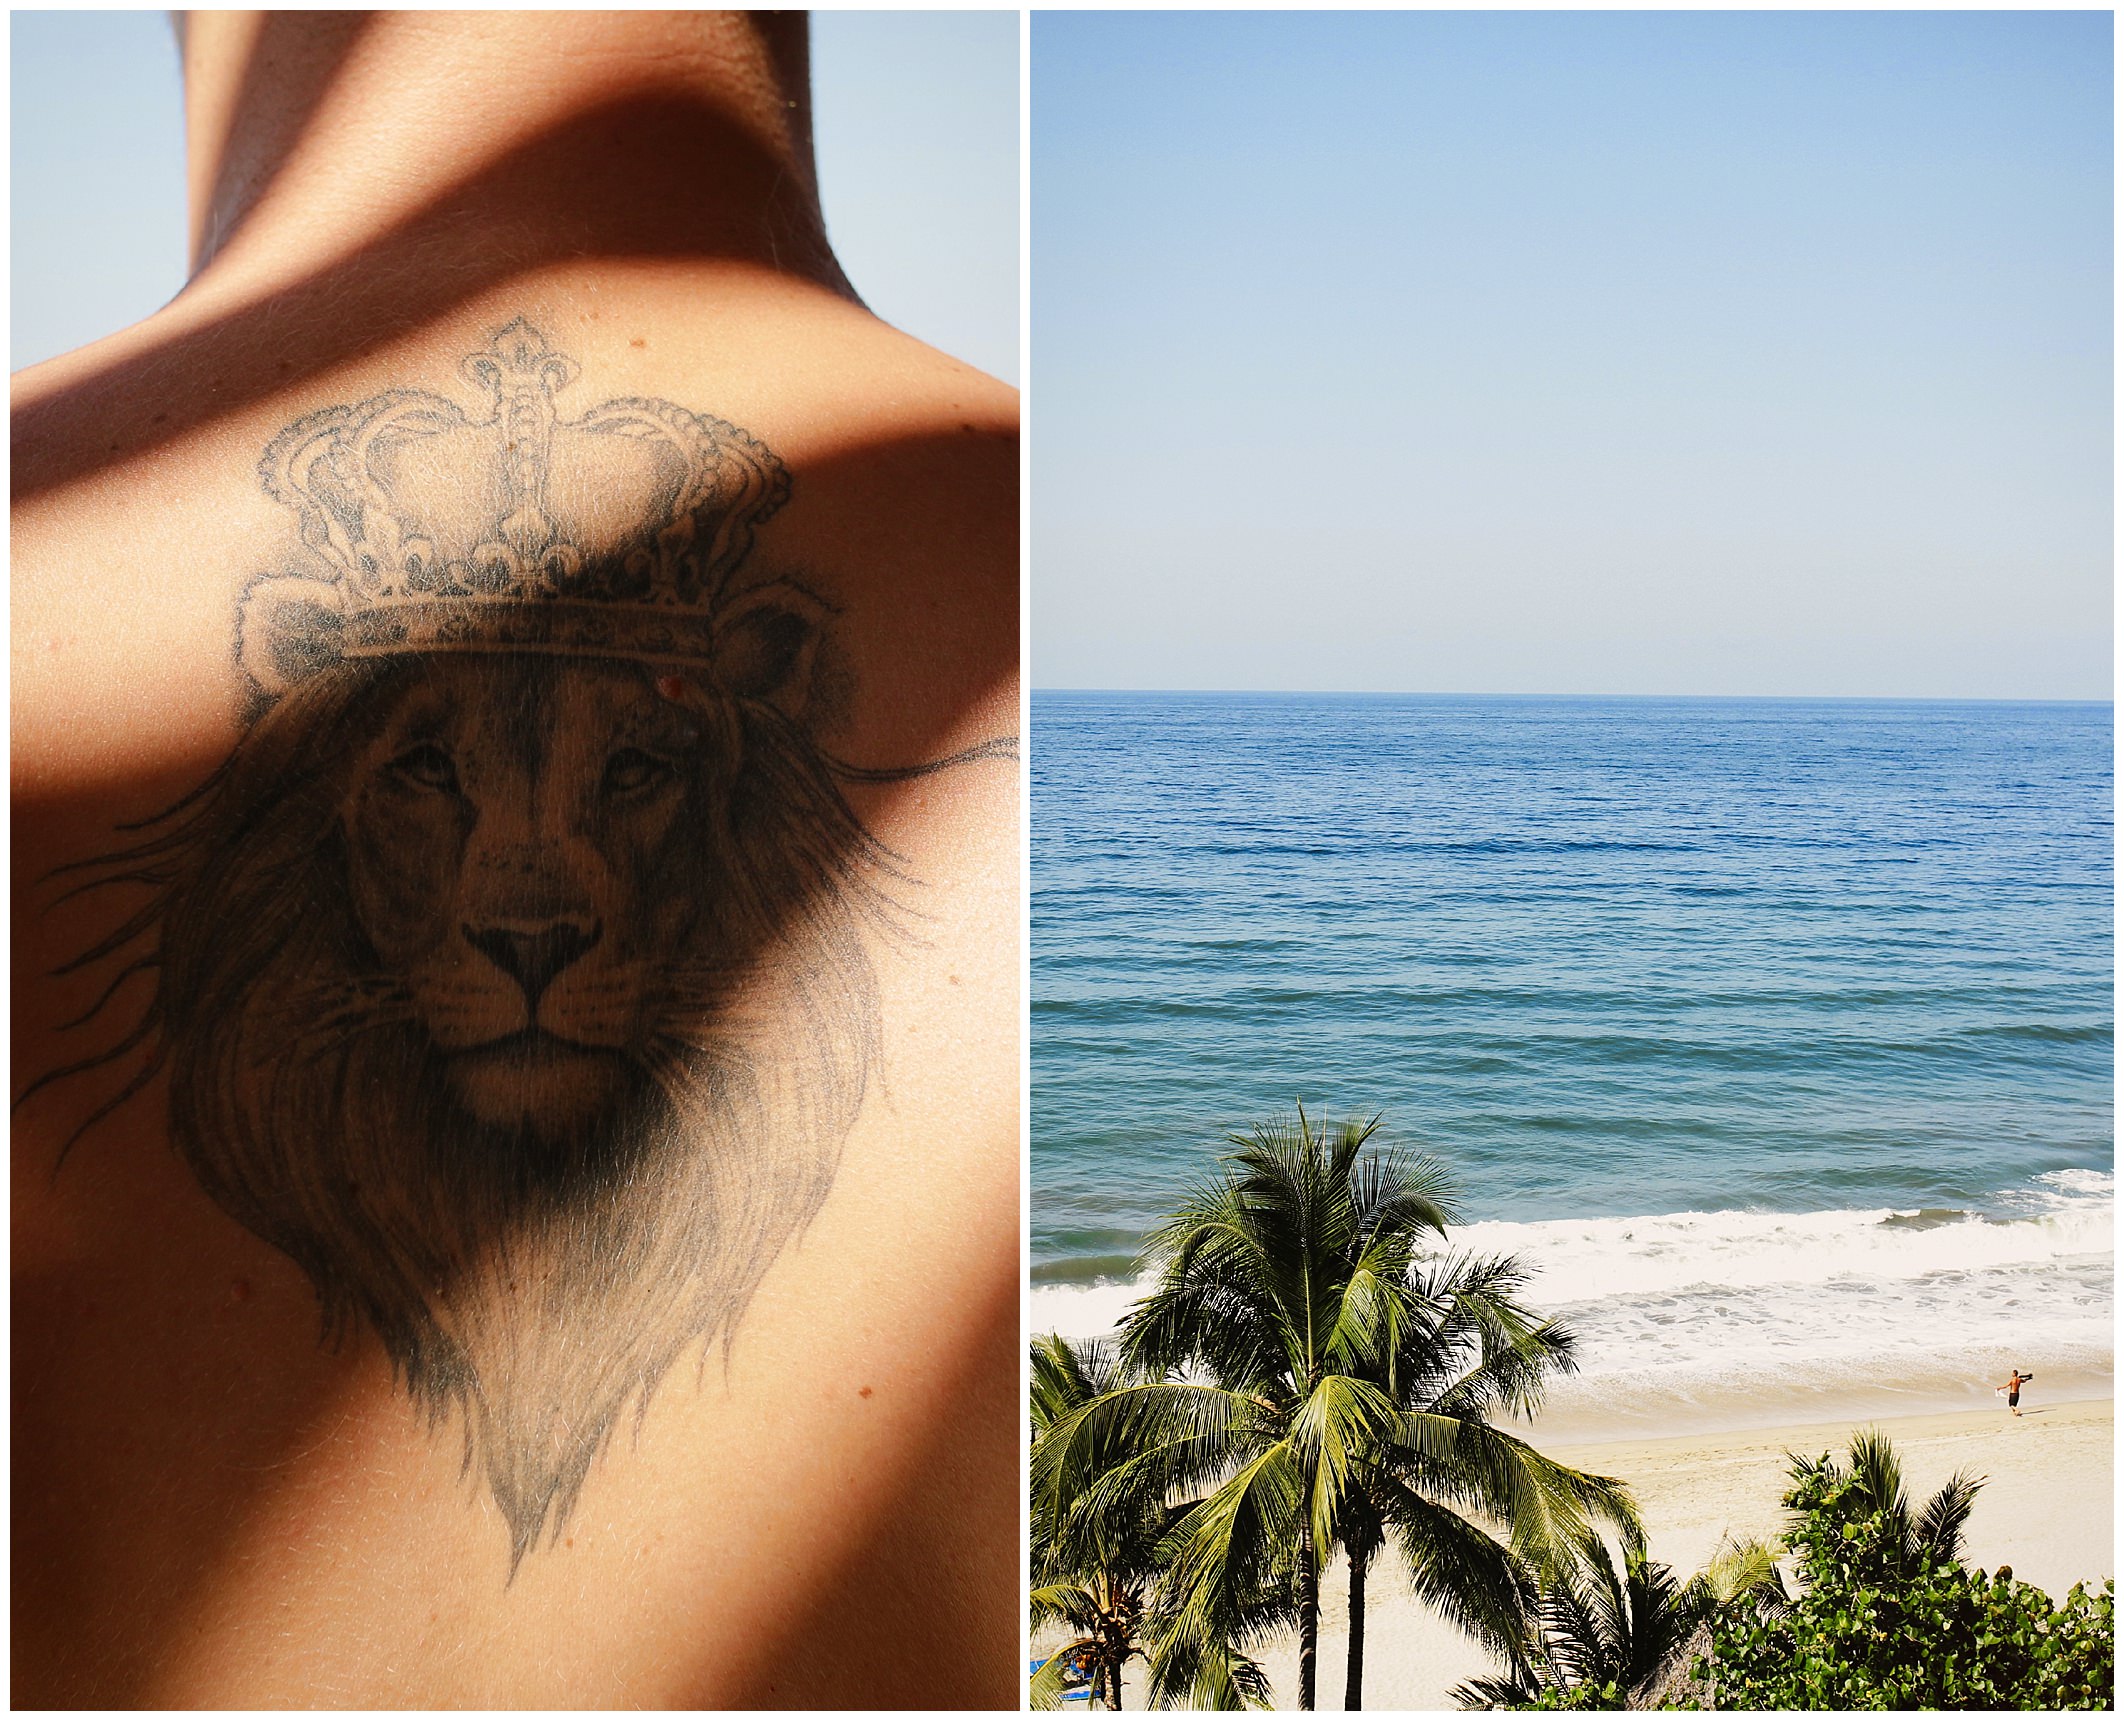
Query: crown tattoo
pixel 612 534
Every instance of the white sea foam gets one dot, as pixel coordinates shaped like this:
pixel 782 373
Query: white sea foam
pixel 1703 1307
pixel 1603 1260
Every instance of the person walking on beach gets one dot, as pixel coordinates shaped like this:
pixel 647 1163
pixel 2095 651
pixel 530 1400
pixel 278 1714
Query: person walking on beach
pixel 2012 1390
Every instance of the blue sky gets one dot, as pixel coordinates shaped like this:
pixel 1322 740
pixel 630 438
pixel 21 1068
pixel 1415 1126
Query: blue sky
pixel 917 133
pixel 1725 353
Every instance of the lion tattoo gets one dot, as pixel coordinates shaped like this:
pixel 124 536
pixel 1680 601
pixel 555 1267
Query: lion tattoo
pixel 511 977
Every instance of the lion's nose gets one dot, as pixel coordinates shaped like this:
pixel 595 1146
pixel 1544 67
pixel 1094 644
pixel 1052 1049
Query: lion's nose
pixel 532 959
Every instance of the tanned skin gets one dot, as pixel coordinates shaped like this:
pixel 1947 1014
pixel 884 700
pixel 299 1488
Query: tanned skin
pixel 525 1212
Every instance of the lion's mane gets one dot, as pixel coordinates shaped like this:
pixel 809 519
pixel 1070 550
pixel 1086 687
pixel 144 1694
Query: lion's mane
pixel 537 1288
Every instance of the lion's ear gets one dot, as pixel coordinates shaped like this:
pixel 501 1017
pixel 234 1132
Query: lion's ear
pixel 287 629
pixel 765 643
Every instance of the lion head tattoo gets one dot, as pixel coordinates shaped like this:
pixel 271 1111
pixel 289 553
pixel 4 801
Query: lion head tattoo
pixel 511 976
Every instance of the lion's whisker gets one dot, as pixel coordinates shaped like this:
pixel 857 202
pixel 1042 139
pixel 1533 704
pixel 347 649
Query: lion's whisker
pixel 347 992
pixel 340 1028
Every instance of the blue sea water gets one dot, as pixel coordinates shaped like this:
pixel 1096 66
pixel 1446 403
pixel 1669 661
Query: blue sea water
pixel 1796 985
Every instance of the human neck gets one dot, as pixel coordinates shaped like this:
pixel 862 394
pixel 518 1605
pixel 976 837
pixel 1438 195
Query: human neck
pixel 486 142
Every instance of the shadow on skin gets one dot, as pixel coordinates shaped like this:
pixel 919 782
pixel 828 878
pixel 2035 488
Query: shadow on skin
pixel 380 290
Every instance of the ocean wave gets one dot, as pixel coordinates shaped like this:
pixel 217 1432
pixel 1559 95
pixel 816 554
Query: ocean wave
pixel 1691 1305
pixel 2077 1183
pixel 2047 1033
pixel 1579 1261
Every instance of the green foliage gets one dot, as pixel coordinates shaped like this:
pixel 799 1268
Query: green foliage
pixel 1094 1543
pixel 1107 1490
pixel 1301 1377
pixel 1613 1636
pixel 1887 1617
pixel 1608 1695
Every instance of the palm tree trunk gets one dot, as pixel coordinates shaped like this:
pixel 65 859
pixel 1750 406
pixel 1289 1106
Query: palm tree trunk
pixel 1353 1689
pixel 1308 1616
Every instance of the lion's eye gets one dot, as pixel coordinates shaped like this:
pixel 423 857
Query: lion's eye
pixel 428 765
pixel 630 770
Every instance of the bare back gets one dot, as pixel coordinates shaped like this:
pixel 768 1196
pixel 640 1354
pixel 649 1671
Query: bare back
pixel 516 858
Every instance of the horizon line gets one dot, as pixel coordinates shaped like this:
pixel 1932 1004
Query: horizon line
pixel 1445 693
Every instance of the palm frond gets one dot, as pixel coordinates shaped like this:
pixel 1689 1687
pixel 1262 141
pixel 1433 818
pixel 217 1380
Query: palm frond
pixel 1940 1525
pixel 1744 1571
pixel 1512 1690
pixel 1546 1507
pixel 1073 1604
pixel 1066 1376
pixel 1168 1432
pixel 1229 1543
pixel 1194 1673
pixel 1454 1566
pixel 1341 1419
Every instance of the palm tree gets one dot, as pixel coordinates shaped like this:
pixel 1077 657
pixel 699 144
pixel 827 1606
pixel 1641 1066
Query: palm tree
pixel 1875 1474
pixel 1281 1377
pixel 1629 1630
pixel 1104 1617
pixel 1475 1354
pixel 1605 1628
pixel 1096 1554
pixel 1093 1552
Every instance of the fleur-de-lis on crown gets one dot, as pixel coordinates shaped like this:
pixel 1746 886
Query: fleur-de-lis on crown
pixel 523 375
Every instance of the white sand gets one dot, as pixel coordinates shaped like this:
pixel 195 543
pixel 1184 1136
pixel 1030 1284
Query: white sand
pixel 2045 1511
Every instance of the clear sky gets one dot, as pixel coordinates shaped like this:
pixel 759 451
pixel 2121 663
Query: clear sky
pixel 917 131
pixel 1540 352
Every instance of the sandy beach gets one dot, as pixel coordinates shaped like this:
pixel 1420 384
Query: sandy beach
pixel 2045 1511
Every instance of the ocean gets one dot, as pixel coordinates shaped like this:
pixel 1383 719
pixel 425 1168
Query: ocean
pixel 1774 1036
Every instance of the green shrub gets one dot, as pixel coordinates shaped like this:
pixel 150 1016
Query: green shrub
pixel 1887 1621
